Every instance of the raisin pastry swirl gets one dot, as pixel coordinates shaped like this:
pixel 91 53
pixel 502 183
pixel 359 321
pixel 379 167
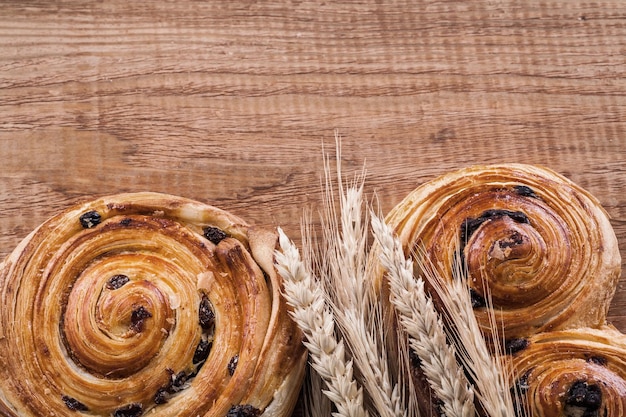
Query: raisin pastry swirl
pixel 540 245
pixel 146 303
pixel 578 372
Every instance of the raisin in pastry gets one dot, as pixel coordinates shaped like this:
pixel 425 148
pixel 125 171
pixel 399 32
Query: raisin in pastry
pixel 146 303
pixel 541 245
pixel 575 372
pixel 541 252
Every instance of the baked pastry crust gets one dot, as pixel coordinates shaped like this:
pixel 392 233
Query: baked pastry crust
pixel 146 303
pixel 541 247
pixel 577 372
pixel 543 251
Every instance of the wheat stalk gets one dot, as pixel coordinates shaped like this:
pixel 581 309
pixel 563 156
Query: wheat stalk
pixel 345 245
pixel 311 313
pixel 315 402
pixel 340 301
pixel 419 319
pixel 491 384
pixel 356 308
pixel 371 362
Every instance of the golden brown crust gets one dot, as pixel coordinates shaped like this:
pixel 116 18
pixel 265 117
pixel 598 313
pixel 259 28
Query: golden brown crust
pixel 579 372
pixel 543 250
pixel 531 236
pixel 110 313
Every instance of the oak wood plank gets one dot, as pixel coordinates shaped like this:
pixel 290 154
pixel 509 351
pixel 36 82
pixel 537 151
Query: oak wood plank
pixel 235 102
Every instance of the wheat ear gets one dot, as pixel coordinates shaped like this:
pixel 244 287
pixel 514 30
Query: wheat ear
pixel 421 322
pixel 356 308
pixel 315 402
pixel 310 312
pixel 490 380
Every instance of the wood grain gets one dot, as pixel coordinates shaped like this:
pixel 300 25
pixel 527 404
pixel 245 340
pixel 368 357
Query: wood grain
pixel 231 102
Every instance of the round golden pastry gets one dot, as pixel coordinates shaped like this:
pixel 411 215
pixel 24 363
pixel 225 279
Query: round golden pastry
pixel 146 303
pixel 536 244
pixel 578 372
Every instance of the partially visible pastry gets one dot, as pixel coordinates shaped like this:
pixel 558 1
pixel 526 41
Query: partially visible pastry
pixel 534 243
pixel 580 372
pixel 146 304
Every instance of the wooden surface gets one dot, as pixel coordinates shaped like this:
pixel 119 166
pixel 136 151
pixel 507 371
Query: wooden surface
pixel 231 102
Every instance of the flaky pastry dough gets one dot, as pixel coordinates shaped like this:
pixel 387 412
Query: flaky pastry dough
pixel 146 303
pixel 576 372
pixel 541 252
pixel 542 246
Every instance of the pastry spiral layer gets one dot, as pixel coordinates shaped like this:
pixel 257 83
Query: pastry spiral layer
pixel 539 246
pixel 579 372
pixel 146 303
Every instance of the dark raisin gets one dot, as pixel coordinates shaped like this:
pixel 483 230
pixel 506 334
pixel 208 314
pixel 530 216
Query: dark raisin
pixel 117 281
pixel 178 381
pixel 232 365
pixel 598 360
pixel 126 222
pixel 587 397
pixel 214 234
pixel 138 317
pixel 517 216
pixel 202 351
pixel 243 410
pixel 514 239
pixel 525 191
pixel 73 404
pixel 470 225
pixel 130 410
pixel 90 219
pixel 205 313
pixel 161 396
pixel 478 301
pixel 512 346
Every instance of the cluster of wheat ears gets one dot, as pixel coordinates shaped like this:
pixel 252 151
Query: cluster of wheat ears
pixel 353 372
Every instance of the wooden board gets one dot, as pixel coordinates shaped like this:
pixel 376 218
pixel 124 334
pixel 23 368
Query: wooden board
pixel 232 102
